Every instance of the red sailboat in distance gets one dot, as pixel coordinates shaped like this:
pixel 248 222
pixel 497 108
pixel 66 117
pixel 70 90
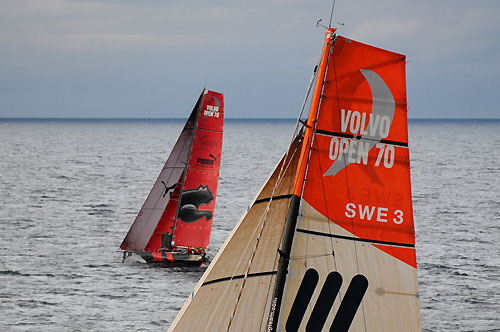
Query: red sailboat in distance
pixel 173 226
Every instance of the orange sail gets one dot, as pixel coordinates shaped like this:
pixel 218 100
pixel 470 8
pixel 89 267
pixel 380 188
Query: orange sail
pixel 353 255
pixel 360 150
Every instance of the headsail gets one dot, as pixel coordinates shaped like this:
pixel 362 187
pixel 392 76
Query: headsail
pixel 337 253
pixel 186 186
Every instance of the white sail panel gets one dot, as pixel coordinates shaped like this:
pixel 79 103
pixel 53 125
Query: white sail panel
pixel 391 299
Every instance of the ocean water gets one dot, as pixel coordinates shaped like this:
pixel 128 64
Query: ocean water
pixel 69 191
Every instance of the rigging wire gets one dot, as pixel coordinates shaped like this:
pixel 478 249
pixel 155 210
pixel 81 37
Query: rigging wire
pixel 278 181
pixel 290 188
pixel 334 37
pixel 306 97
pixel 312 143
pixel 348 195
pixel 261 222
pixel 263 219
pixel 309 87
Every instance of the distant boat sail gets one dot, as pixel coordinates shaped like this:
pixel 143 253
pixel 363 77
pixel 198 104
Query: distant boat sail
pixel 174 224
pixel 328 244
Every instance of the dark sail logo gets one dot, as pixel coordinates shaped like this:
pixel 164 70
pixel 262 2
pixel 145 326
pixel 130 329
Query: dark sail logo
pixel 167 189
pixel 207 161
pixel 348 306
pixel 191 200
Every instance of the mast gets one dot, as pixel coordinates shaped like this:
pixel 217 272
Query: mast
pixel 291 219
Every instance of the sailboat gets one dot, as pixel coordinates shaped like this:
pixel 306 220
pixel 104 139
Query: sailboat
pixel 328 244
pixel 174 224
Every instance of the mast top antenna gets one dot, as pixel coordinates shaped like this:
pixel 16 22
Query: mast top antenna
pixel 331 19
pixel 331 14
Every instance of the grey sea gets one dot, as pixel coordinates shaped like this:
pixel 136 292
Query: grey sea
pixel 69 191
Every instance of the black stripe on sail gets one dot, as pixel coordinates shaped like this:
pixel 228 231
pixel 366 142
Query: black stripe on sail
pixel 387 243
pixel 302 299
pixel 350 304
pixel 337 134
pixel 240 276
pixel 386 141
pixel 275 198
pixel 333 133
pixel 325 302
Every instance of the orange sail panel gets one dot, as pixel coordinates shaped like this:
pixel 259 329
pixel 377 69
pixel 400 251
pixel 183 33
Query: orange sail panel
pixel 197 199
pixel 360 150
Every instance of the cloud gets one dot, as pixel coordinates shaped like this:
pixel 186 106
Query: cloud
pixel 107 53
pixel 389 32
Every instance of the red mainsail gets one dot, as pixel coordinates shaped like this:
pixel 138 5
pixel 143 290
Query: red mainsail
pixel 195 212
pixel 360 148
pixel 179 209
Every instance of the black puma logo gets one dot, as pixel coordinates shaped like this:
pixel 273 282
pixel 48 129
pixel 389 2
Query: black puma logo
pixel 167 189
pixel 191 200
pixel 207 161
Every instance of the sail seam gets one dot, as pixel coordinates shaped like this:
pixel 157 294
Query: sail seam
pixel 343 237
pixel 241 276
pixel 332 133
pixel 211 130
pixel 267 199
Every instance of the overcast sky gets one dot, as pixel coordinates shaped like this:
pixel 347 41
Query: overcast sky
pixel 151 58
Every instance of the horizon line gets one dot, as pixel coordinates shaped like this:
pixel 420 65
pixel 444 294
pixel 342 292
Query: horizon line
pixel 180 119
